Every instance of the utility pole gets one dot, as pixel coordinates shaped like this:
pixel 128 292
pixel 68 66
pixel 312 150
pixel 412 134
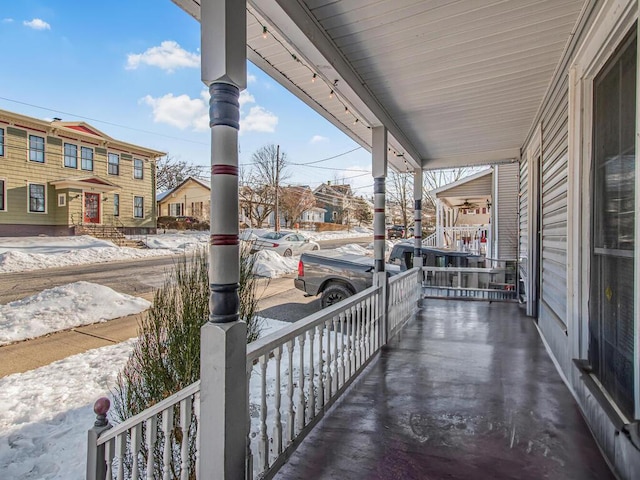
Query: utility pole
pixel 277 188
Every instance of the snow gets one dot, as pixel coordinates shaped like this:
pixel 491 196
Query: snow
pixel 19 254
pixel 45 413
pixel 64 307
pixel 271 264
pixel 356 249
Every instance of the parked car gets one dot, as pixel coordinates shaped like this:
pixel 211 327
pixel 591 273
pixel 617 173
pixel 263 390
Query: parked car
pixel 402 255
pixel 335 275
pixel 395 231
pixel 285 243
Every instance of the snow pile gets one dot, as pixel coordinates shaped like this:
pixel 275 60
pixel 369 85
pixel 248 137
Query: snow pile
pixel 45 413
pixel 271 264
pixel 355 249
pixel 63 307
pixel 34 253
pixel 179 241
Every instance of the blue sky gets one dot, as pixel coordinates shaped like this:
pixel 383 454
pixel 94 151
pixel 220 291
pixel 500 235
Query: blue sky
pixel 131 69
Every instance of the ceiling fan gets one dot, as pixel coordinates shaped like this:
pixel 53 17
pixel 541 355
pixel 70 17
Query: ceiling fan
pixel 467 204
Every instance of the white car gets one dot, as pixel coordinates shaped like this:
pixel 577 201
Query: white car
pixel 285 243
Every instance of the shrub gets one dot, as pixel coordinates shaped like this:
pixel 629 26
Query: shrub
pixel 166 357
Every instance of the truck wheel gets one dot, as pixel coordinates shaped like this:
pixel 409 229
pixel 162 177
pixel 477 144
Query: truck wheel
pixel 287 253
pixel 333 294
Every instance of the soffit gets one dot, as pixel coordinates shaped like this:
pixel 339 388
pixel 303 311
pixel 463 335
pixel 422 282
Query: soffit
pixel 456 82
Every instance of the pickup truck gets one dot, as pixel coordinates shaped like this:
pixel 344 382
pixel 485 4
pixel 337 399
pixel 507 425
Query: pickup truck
pixel 335 275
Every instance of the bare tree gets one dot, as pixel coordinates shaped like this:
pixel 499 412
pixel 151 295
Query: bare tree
pixel 267 174
pixel 400 195
pixel 294 201
pixel 170 172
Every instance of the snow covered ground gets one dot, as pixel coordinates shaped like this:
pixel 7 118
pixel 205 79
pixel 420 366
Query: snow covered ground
pixel 45 413
pixel 19 254
pixel 64 307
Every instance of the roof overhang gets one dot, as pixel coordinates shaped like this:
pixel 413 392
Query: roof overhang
pixel 95 184
pixel 455 83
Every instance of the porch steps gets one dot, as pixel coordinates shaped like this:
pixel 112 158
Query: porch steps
pixel 109 232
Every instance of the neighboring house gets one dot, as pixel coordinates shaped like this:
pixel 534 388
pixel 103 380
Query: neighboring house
pixel 56 176
pixel 191 198
pixel 480 212
pixel 314 215
pixel 336 200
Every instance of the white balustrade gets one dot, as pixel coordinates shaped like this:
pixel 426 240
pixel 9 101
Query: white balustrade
pixel 323 354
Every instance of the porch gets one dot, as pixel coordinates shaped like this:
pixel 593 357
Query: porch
pixel 465 390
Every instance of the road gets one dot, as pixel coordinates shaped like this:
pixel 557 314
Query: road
pixel 136 277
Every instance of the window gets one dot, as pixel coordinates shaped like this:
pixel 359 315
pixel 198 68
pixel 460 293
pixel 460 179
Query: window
pixel 1 142
pixel 36 148
pixel 611 319
pixel 70 155
pixel 116 204
pixel 62 199
pixel 114 164
pixel 36 198
pixel 175 209
pixel 87 158
pixel 3 195
pixel 138 207
pixel 138 168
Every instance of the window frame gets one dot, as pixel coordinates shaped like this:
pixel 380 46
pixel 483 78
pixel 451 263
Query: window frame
pixel 116 204
pixel 83 158
pixel 136 169
pixel 2 142
pixel 135 207
pixel 65 156
pixel 32 150
pixel 3 194
pixel 62 200
pixel 29 197
pixel 112 164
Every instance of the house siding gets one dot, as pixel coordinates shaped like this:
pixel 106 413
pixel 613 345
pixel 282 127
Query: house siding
pixel 18 172
pixel 523 223
pixel 507 214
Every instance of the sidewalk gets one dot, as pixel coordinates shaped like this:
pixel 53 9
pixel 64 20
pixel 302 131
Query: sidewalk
pixel 29 354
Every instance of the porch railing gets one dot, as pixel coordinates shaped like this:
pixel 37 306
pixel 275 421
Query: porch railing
pixel 293 376
pixel 466 282
pixel 404 294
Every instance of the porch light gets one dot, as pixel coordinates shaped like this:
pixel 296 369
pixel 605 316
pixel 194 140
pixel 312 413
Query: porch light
pixel 313 79
pixel 331 94
pixel 264 32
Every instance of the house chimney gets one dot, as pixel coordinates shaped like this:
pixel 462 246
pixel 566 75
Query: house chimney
pixel 329 182
pixel 57 119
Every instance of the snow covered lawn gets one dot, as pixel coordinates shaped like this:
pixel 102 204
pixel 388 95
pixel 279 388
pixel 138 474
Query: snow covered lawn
pixel 64 307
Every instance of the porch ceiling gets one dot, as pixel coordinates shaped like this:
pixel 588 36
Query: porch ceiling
pixel 456 82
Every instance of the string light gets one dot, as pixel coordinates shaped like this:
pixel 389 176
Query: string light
pixel 314 75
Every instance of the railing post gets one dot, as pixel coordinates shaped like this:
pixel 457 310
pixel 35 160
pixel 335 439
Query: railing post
pixel 96 462
pixel 381 279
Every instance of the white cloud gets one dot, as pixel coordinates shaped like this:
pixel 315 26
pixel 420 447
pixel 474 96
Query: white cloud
pixel 37 24
pixel 318 139
pixel 245 98
pixel 169 55
pixel 7 20
pixel 184 112
pixel 258 120
pixel 251 78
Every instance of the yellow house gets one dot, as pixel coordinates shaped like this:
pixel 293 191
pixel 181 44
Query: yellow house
pixel 190 198
pixel 58 178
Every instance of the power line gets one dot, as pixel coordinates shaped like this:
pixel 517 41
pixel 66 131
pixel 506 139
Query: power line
pixel 103 121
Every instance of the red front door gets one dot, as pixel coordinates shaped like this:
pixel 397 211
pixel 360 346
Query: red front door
pixel 91 208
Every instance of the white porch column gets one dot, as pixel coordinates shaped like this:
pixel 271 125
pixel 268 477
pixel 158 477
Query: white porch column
pixel 417 217
pixel 223 396
pixel 439 224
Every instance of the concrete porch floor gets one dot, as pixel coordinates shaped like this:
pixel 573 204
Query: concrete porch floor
pixel 465 391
